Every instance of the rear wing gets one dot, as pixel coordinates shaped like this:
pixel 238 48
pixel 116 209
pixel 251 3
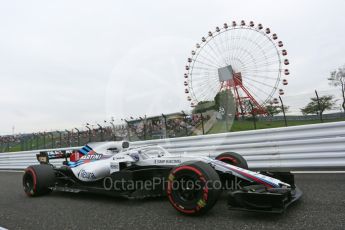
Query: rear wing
pixel 44 156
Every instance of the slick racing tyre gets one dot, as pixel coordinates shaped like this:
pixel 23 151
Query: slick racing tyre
pixel 38 180
pixel 233 159
pixel 193 187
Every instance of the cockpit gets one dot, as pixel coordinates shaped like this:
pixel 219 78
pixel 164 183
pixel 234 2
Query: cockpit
pixel 147 152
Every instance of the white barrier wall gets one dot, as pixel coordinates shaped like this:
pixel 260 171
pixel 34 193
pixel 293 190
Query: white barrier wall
pixel 308 147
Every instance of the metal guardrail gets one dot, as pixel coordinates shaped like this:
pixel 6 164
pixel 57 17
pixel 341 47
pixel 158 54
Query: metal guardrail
pixel 307 147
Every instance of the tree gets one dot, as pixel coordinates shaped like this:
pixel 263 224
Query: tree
pixel 337 79
pixel 319 107
pixel 275 109
pixel 204 106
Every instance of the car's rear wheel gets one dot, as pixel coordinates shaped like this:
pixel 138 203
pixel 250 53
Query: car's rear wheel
pixel 193 188
pixel 38 180
pixel 233 159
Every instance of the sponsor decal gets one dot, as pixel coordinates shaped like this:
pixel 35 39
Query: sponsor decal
pixel 168 161
pixel 55 154
pixel 91 157
pixel 86 175
pixel 119 158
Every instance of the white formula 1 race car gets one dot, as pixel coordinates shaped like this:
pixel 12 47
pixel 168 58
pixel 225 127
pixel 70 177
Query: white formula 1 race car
pixel 191 183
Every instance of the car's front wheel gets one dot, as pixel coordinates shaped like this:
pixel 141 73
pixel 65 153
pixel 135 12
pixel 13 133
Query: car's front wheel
pixel 193 188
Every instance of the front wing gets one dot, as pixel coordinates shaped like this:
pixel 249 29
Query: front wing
pixel 260 198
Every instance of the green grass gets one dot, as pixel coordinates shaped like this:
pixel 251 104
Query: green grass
pixel 220 126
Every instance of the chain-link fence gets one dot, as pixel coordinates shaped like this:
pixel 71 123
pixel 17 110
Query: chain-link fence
pixel 182 124
pixel 170 125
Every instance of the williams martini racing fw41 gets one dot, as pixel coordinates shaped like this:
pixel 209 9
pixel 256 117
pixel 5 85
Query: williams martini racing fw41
pixel 191 183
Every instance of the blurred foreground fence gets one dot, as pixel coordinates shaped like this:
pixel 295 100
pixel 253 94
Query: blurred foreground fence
pixel 307 147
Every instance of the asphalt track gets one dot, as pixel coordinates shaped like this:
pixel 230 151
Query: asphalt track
pixel 322 207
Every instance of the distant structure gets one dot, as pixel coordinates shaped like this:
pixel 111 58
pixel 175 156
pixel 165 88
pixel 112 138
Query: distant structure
pixel 244 58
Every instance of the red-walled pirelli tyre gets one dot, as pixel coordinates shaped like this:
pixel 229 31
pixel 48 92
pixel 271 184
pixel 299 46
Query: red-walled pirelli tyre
pixel 193 187
pixel 38 179
pixel 233 159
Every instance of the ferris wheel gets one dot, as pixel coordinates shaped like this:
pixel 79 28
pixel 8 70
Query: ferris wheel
pixel 246 59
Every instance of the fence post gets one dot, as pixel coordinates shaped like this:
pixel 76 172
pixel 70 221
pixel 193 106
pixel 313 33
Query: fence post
pixel 102 138
pixel 319 106
pixel 283 109
pixel 113 130
pixel 253 113
pixel 89 132
pixel 37 141
pixel 68 138
pixel 165 125
pixel 78 133
pixel 128 130
pixel 144 123
pixel 31 139
pixel 21 144
pixel 44 140
pixel 185 121
pixel 60 138
pixel 52 138
pixel 202 124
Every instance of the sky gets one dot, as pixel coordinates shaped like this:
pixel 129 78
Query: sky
pixel 66 63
